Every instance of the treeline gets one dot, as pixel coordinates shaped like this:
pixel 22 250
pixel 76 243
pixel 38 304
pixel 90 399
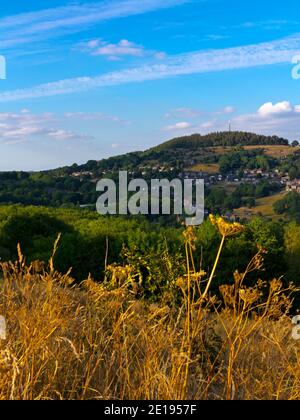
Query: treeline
pixel 89 242
pixel 289 206
pixel 86 237
pixel 224 138
pixel 71 192
pixel 42 189
pixel 291 165
pixel 241 159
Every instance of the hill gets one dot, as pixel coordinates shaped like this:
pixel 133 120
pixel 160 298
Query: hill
pixel 227 153
pixel 178 153
pixel 222 138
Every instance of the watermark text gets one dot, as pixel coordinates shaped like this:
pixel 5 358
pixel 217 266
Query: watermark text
pixel 156 197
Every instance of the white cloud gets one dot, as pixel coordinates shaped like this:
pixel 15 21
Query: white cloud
pixel 269 53
pixel 114 52
pixel 178 126
pixel 59 134
pixel 208 125
pixel 281 118
pixel 24 126
pixel 269 109
pixel 228 109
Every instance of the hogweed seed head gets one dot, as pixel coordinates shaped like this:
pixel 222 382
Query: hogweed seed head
pixel 226 228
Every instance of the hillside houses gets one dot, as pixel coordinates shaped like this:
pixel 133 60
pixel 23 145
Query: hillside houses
pixel 249 176
pixel 293 186
pixel 81 174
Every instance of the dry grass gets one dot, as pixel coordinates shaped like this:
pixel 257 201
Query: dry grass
pixel 210 168
pixel 276 151
pixel 89 341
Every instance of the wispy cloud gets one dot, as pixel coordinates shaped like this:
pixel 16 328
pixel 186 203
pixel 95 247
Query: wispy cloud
pixel 114 52
pixel 95 116
pixel 183 125
pixel 183 112
pixel 271 24
pixel 192 113
pixel 269 53
pixel 216 37
pixel 226 110
pixel 25 126
pixel 50 23
pixel 16 127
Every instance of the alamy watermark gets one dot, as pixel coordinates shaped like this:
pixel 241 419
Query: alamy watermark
pixel 2 67
pixel 296 327
pixel 156 197
pixel 296 68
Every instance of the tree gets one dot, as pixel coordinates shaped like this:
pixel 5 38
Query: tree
pixel 293 172
pixel 292 251
pixel 289 205
pixel 295 143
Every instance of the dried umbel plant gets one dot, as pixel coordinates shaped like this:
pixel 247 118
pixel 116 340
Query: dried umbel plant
pixel 226 229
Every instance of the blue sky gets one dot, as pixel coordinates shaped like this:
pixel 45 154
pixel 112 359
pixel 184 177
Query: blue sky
pixel 91 79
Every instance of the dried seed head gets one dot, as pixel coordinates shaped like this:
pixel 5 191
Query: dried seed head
pixel 226 228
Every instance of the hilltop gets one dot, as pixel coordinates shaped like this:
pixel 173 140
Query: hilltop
pixel 182 151
pixel 228 159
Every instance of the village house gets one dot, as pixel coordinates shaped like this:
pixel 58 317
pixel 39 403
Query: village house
pixel 293 186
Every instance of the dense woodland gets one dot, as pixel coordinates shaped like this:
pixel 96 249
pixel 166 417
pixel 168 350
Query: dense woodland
pixel 90 242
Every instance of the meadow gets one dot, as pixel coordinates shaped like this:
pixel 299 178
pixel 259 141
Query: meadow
pixel 264 207
pixel 91 340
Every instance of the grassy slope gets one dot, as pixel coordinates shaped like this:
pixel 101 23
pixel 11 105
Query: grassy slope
pixel 210 168
pixel 264 207
pixel 272 150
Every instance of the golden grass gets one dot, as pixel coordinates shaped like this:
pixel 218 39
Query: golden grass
pixel 91 341
pixel 276 151
pixel 210 168
pixel 264 207
pixel 221 150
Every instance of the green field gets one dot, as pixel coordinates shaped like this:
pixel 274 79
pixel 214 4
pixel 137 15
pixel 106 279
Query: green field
pixel 264 207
